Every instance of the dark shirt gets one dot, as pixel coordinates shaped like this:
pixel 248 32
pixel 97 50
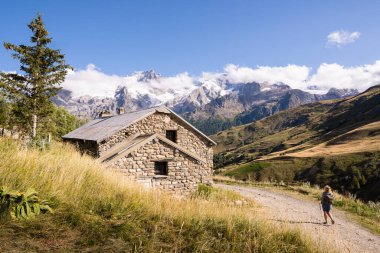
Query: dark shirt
pixel 327 198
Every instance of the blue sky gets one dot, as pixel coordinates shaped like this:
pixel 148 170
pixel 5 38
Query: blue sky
pixel 120 37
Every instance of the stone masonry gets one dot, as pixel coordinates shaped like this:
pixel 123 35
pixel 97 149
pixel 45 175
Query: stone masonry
pixel 184 172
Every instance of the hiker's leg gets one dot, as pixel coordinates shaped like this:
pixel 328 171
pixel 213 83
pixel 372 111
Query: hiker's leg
pixel 330 215
pixel 325 216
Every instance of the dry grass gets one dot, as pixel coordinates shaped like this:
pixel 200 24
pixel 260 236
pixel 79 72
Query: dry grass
pixel 365 138
pixel 64 176
pixel 361 139
pixel 97 211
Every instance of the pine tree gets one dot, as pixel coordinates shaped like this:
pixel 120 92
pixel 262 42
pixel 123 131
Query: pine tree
pixel 42 71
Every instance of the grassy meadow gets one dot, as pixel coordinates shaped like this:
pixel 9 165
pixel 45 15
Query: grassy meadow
pixel 94 210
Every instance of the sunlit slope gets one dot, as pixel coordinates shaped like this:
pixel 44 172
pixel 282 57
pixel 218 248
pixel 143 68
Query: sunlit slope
pixel 361 139
pixel 309 127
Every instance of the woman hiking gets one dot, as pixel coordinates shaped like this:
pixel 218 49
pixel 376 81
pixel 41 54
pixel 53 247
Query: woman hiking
pixel 326 202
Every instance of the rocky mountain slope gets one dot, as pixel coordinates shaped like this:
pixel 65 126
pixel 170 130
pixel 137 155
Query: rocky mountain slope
pixel 211 105
pixel 253 101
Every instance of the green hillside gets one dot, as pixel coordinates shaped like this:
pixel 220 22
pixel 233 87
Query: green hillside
pixel 335 142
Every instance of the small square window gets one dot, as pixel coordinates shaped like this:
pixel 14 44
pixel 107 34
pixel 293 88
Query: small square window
pixel 171 135
pixel 161 168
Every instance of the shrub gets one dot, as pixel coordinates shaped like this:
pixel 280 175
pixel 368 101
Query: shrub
pixel 204 190
pixel 19 205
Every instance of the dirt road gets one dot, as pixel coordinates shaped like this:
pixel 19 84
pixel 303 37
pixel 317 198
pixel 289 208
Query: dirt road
pixel 284 209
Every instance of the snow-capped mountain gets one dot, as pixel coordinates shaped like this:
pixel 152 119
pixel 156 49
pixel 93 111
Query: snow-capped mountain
pixel 149 85
pixel 138 91
pixel 205 92
pixel 201 100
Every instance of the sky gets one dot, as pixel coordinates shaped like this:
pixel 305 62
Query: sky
pixel 117 38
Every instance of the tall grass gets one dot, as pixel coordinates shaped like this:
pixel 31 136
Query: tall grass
pixel 98 210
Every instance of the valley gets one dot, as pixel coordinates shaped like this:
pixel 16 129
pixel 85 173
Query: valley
pixel 329 142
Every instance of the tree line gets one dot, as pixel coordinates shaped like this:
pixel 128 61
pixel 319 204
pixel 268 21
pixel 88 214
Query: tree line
pixel 26 95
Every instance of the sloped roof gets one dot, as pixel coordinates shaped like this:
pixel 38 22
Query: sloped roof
pixel 100 129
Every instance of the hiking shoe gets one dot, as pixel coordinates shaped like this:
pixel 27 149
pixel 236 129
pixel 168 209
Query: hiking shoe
pixel 325 223
pixel 333 222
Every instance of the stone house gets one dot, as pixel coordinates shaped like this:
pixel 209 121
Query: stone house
pixel 155 147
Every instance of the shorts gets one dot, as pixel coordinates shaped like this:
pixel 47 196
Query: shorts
pixel 326 207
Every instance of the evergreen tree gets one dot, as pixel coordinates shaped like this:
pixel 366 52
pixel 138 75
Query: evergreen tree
pixel 60 122
pixel 42 71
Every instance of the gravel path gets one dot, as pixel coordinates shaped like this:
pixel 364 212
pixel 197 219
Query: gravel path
pixel 284 209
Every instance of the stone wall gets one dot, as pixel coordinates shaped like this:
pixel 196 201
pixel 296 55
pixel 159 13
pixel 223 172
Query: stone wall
pixel 184 172
pixel 159 123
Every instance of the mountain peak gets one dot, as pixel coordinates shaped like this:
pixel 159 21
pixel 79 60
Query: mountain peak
pixel 342 92
pixel 148 75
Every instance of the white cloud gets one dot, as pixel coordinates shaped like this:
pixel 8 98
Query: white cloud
pixel 340 38
pixel 181 81
pixel 335 75
pixel 300 77
pixel 291 74
pixel 92 81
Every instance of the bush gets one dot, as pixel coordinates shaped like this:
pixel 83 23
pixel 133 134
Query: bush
pixel 209 192
pixel 19 205
pixel 204 190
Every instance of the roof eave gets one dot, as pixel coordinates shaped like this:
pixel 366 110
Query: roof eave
pixel 79 139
